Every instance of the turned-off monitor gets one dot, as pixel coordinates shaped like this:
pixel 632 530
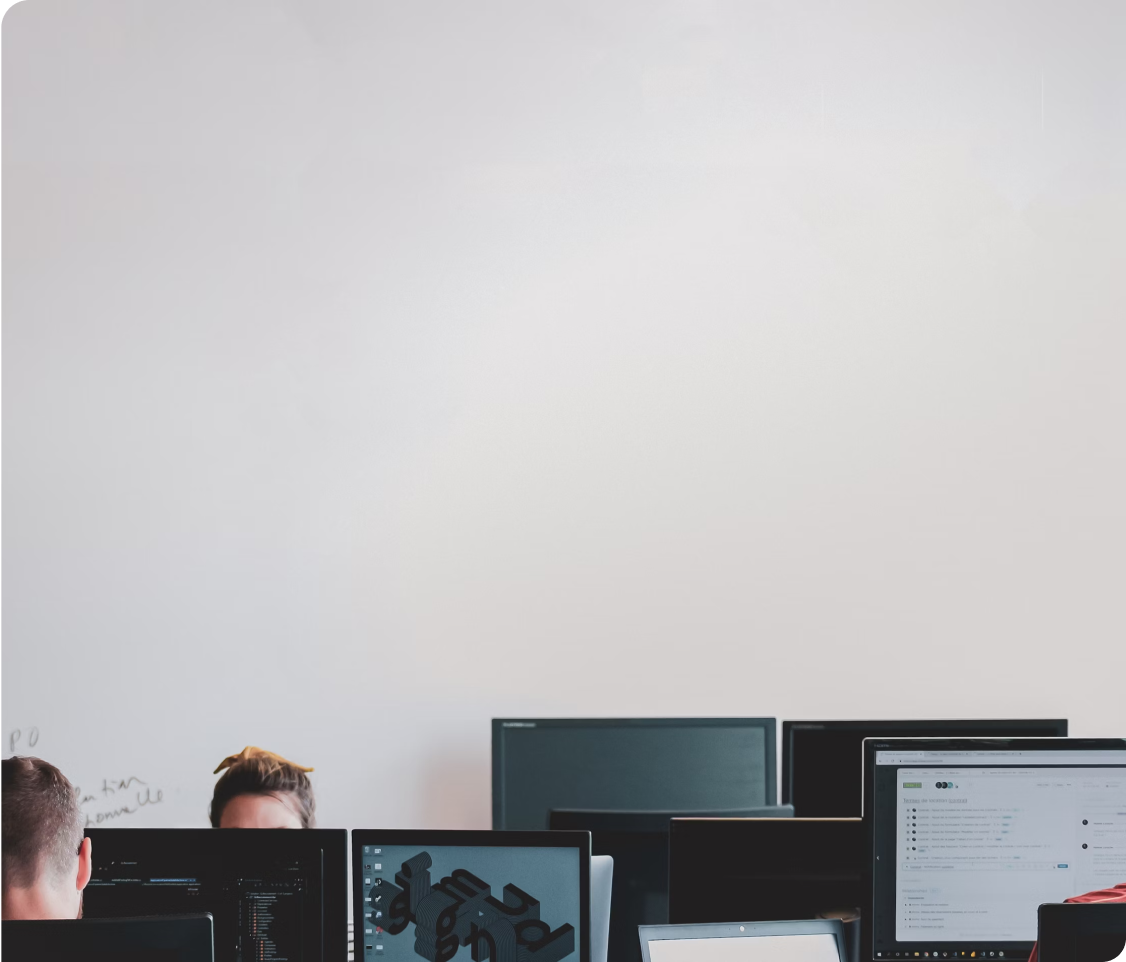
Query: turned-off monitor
pixel 822 761
pixel 672 764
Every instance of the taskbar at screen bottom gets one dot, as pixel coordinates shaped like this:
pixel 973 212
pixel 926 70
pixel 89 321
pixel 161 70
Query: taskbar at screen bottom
pixel 1006 953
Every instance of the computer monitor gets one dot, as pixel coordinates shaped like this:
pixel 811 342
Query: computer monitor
pixel 629 764
pixel 182 938
pixel 815 941
pixel 965 838
pixel 454 895
pixel 639 843
pixel 1082 932
pixel 273 893
pixel 823 764
pixel 734 870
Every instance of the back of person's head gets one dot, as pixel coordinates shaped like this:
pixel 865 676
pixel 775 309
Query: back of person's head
pixel 45 860
pixel 259 789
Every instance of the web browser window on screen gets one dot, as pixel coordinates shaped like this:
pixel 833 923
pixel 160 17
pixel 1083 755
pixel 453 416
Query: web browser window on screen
pixel 980 843
pixel 1053 835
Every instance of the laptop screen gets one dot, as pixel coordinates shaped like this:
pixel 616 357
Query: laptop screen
pixel 459 902
pixel 816 940
pixel 768 948
pixel 970 838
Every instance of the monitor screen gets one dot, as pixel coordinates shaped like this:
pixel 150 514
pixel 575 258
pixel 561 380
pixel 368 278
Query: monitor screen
pixel 726 870
pixel 684 764
pixel 770 948
pixel 471 895
pixel 274 893
pixel 823 763
pixel 639 844
pixel 966 837
pixel 789 941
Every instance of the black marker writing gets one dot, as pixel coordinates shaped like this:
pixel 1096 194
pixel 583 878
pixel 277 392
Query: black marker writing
pixel 119 785
pixel 15 736
pixel 145 795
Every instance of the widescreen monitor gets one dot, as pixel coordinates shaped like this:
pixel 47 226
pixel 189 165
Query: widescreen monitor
pixel 965 838
pixel 462 896
pixel 629 764
pixel 823 763
pixel 273 893
pixel 639 844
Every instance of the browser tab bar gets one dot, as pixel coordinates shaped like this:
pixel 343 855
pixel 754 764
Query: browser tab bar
pixel 1007 757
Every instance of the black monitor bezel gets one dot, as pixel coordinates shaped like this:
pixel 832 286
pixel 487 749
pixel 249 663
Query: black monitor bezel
pixel 902 728
pixel 482 839
pixel 872 745
pixel 332 843
pixel 193 934
pixel 768 724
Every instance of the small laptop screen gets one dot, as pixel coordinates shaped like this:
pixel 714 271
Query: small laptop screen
pixel 767 948
pixel 968 843
pixel 462 902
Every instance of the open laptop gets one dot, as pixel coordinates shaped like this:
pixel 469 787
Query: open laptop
pixel 815 940
pixel 639 844
pixel 764 869
pixel 463 895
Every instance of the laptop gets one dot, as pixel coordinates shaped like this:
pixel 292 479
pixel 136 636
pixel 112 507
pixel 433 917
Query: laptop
pixel 181 938
pixel 638 841
pixel 815 940
pixel 601 886
pixel 463 895
pixel 763 869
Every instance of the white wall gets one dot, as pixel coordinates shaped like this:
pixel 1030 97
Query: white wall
pixel 371 369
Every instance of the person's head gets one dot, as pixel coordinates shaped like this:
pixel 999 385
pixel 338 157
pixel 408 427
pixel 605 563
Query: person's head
pixel 262 790
pixel 46 861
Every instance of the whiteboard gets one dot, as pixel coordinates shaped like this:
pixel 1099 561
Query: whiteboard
pixel 372 370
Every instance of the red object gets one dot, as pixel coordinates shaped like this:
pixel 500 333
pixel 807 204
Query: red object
pixel 1116 894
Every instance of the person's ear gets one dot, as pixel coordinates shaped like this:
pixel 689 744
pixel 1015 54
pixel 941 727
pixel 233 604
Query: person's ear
pixel 85 864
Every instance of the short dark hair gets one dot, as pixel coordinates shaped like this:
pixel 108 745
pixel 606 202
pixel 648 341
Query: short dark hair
pixel 43 823
pixel 258 772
